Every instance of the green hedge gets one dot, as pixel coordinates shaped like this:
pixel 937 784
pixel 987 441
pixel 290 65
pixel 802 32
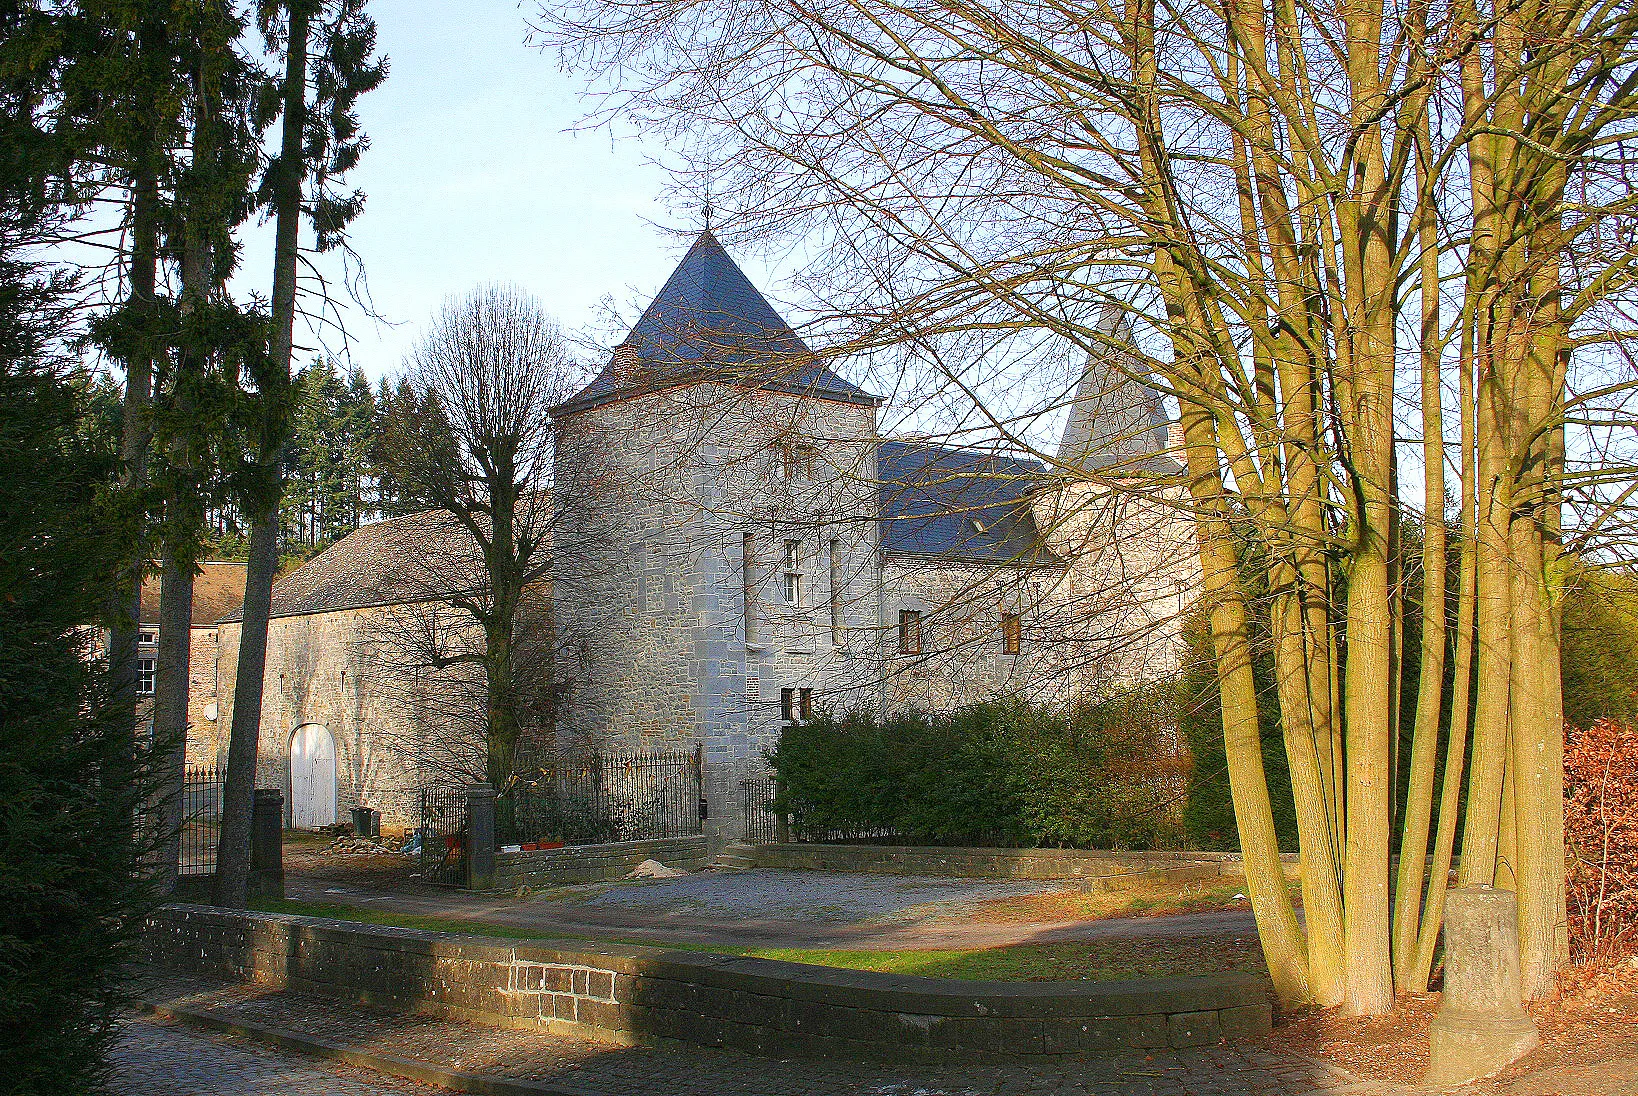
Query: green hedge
pixel 1004 774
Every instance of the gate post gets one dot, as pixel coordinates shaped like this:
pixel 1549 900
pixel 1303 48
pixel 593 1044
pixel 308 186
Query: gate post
pixel 267 844
pixel 480 830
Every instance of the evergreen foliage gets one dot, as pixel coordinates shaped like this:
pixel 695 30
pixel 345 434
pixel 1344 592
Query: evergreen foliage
pixel 1600 636
pixel 1005 773
pixel 69 777
pixel 328 473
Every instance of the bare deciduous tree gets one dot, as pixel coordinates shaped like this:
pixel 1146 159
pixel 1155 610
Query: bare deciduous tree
pixel 473 437
pixel 1296 204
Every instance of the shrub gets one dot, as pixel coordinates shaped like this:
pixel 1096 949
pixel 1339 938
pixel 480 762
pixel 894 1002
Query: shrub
pixel 1008 774
pixel 1601 838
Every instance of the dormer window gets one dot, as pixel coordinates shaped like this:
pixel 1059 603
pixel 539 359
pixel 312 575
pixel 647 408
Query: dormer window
pixel 979 526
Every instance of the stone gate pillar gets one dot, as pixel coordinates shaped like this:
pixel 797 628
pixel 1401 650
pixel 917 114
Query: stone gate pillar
pixel 267 844
pixel 480 836
pixel 1481 1025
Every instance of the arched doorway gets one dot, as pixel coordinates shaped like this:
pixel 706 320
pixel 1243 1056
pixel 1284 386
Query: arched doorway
pixel 312 777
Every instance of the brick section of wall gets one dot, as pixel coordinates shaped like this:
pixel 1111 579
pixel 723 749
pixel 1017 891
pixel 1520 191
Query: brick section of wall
pixel 756 1005
pixel 1163 866
pixel 595 863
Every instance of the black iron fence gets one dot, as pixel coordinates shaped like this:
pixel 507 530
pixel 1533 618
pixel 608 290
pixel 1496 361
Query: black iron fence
pixel 201 820
pixel 762 825
pixel 621 795
pixel 443 835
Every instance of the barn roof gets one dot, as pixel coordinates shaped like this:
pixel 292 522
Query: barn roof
pixel 218 589
pixel 411 558
pixel 958 504
pixel 709 322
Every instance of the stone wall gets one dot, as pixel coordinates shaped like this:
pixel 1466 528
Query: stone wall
pixel 980 863
pixel 755 1005
pixel 652 585
pixel 322 668
pixel 1106 614
pixel 595 863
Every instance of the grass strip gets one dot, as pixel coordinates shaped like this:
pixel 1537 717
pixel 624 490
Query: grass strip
pixel 1088 960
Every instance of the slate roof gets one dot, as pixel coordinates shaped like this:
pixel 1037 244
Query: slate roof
pixel 218 589
pixel 709 322
pixel 958 504
pixel 412 558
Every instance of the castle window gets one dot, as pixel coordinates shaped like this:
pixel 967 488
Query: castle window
pixel 795 705
pixel 1012 633
pixel 148 637
pixel 909 631
pixel 837 636
pixel 748 569
pixel 145 677
pixel 797 459
pixel 793 572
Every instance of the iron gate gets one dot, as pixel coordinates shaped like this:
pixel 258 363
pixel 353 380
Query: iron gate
pixel 444 836
pixel 761 824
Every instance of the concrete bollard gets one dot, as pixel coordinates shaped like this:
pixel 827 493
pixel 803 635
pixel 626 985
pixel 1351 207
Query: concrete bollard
pixel 480 836
pixel 1481 1026
pixel 267 844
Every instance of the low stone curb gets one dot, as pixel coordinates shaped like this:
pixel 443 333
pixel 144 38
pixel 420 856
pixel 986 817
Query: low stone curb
pixel 410 1069
pixel 761 1006
pixel 1091 867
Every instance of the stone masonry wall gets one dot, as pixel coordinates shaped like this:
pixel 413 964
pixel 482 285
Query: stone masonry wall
pixel 651 589
pixel 756 1005
pixel 320 670
pixel 980 863
pixel 595 863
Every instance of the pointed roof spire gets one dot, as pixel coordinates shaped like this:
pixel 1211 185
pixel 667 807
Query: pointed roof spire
pixel 1115 422
pixel 708 322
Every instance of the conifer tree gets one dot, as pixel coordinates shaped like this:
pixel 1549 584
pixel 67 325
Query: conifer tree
pixel 328 52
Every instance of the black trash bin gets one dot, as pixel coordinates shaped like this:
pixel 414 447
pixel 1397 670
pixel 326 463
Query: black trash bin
pixel 366 822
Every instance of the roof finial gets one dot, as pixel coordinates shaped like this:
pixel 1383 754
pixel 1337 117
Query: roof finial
pixel 708 209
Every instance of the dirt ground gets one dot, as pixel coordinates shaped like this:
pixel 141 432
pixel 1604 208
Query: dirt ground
pixel 330 858
pixel 1594 1019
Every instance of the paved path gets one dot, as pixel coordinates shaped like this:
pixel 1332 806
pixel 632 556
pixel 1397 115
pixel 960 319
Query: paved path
pixel 159 1058
pixel 772 908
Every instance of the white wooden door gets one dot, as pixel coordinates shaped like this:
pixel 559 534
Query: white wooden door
pixel 312 778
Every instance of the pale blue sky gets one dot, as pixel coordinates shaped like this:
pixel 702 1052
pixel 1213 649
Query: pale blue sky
pixel 472 177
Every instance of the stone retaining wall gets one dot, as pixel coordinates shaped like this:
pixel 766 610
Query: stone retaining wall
pixel 982 863
pixel 595 863
pixel 756 1005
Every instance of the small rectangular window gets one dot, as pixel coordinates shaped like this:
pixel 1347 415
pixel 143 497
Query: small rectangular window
pixel 793 572
pixel 837 634
pixel 805 703
pixel 148 637
pixel 787 705
pixel 1012 633
pixel 909 631
pixel 145 677
pixel 748 576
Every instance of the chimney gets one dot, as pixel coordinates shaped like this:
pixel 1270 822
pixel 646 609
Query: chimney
pixel 626 362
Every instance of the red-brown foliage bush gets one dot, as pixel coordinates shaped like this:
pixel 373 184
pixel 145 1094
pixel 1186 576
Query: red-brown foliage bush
pixel 1601 832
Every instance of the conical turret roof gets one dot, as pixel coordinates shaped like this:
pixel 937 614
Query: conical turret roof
pixel 709 322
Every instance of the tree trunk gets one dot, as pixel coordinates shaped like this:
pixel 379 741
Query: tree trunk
pixel 233 857
pixel 137 429
pixel 171 713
